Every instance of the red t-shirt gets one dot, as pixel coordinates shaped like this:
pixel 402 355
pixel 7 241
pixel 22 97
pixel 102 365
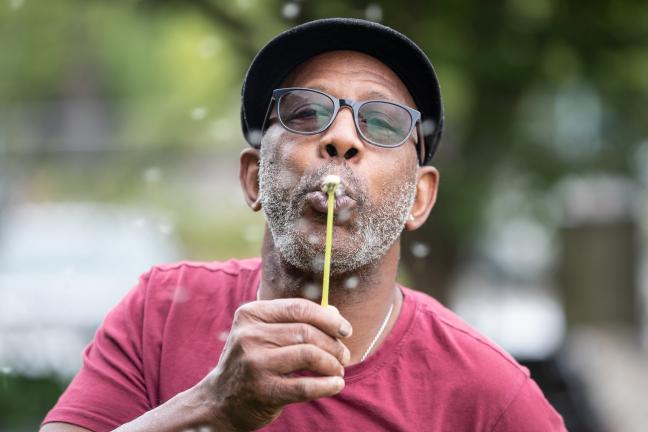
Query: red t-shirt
pixel 432 373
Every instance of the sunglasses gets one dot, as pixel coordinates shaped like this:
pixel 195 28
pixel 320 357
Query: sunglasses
pixel 309 112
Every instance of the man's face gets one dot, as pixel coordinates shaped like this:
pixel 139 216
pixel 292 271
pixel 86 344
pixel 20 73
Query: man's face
pixel 379 183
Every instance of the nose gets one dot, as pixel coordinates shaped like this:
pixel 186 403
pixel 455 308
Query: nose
pixel 341 139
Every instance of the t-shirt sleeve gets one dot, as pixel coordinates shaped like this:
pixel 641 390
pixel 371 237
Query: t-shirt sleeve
pixel 529 411
pixel 110 389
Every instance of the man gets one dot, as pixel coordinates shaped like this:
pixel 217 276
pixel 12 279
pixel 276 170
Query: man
pixel 244 345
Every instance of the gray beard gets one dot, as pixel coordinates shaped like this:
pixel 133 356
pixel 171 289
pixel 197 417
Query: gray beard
pixel 372 232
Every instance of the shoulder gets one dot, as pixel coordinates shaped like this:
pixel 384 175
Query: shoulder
pixel 484 376
pixel 232 267
pixel 191 285
pixel 457 337
pixel 202 276
pixel 453 332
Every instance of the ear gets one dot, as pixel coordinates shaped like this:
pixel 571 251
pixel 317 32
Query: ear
pixel 426 192
pixel 249 177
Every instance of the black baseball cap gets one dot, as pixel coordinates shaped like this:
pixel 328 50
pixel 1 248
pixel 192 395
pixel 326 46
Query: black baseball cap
pixel 289 49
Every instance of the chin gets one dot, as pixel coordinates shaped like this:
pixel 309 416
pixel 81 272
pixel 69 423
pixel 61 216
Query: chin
pixel 309 258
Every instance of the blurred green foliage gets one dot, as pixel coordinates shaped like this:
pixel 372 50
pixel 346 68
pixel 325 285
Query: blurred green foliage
pixel 24 401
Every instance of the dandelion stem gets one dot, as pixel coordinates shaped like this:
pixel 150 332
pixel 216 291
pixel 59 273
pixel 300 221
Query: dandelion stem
pixel 331 184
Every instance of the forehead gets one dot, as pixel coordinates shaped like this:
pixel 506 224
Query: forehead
pixel 352 75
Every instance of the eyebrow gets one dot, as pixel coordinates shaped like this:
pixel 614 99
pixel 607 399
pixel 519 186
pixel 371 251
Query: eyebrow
pixel 374 94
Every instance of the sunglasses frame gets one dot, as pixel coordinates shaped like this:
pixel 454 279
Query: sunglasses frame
pixel 355 106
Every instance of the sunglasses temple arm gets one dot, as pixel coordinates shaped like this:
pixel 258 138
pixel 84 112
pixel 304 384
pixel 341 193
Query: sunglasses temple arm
pixel 421 143
pixel 267 116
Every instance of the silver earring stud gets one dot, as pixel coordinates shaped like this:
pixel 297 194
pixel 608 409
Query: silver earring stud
pixel 411 217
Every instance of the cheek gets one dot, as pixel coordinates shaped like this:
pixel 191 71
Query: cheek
pixel 391 171
pixel 293 152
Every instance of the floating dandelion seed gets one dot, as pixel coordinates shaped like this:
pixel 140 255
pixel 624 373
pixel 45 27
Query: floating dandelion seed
pixel 180 294
pixel 252 233
pixel 318 262
pixel 299 338
pixel 301 225
pixel 222 336
pixel 221 129
pixel 420 250
pixel 428 127
pixel 374 12
pixel 311 291
pixel 209 47
pixel 198 113
pixel 16 4
pixel 152 175
pixel 69 270
pixel 344 215
pixel 140 222
pixel 165 228
pixel 254 137
pixel 245 4
pixel 290 10
pixel 351 282
pixel 5 370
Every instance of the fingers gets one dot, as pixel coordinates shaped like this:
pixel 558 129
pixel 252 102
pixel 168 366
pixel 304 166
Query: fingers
pixel 298 389
pixel 297 333
pixel 327 320
pixel 293 358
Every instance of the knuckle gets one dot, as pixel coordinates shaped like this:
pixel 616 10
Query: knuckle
pixel 243 311
pixel 307 355
pixel 274 392
pixel 298 311
pixel 304 333
pixel 251 362
pixel 340 350
pixel 243 340
pixel 241 334
pixel 302 390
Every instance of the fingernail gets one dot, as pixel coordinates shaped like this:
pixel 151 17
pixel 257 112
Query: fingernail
pixel 345 329
pixel 346 358
pixel 339 383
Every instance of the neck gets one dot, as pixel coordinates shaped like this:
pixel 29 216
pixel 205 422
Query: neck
pixel 363 296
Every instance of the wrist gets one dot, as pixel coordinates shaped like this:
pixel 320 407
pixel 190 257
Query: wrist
pixel 191 409
pixel 211 410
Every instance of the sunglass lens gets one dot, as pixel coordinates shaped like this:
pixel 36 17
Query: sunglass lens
pixel 305 111
pixel 384 123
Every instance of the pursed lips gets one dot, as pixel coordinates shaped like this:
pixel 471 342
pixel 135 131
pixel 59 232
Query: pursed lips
pixel 318 200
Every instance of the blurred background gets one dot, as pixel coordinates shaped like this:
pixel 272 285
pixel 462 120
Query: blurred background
pixel 119 143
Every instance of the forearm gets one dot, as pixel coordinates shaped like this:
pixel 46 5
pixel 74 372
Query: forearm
pixel 190 409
